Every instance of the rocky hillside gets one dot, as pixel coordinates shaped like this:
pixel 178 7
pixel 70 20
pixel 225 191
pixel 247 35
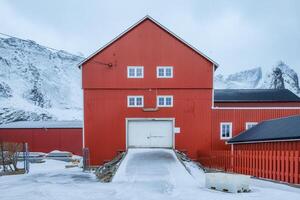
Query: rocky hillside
pixel 37 83
pixel 279 77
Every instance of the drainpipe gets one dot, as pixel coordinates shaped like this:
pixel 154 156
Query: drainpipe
pixel 231 161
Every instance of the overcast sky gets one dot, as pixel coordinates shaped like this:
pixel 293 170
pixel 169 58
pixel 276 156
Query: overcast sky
pixel 236 34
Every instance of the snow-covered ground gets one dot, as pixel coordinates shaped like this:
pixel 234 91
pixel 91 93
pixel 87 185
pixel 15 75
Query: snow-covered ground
pixel 150 174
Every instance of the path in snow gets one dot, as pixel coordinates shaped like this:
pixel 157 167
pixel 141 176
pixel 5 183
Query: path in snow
pixel 156 168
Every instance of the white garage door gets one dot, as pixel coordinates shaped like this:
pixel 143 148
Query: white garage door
pixel 150 134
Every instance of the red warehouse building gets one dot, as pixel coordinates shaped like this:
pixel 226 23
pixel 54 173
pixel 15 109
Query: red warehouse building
pixel 149 88
pixel 45 136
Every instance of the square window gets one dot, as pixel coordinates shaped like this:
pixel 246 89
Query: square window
pixel 135 72
pixel 165 101
pixel 135 101
pixel 164 72
pixel 226 130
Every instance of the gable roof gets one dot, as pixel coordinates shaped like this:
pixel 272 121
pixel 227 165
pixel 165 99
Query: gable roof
pixel 255 95
pixel 147 17
pixel 272 130
pixel 42 124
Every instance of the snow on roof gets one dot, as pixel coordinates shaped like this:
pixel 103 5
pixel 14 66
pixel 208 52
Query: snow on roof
pixel 43 124
pixel 255 95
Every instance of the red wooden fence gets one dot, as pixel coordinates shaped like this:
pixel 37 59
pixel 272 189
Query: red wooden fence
pixel 277 165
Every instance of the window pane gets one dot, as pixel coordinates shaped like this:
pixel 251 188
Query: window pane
pixel 168 101
pixel 227 130
pixel 139 72
pixel 168 72
pixel 138 101
pixel 131 101
pixel 131 72
pixel 161 101
pixel 161 72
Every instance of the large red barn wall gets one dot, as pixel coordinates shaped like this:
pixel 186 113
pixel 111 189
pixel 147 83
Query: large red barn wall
pixel 106 111
pixel 255 104
pixel 239 117
pixel 106 90
pixel 46 140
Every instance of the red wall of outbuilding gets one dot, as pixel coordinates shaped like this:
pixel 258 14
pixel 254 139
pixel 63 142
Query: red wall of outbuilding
pixel 46 140
pixel 257 104
pixel 239 117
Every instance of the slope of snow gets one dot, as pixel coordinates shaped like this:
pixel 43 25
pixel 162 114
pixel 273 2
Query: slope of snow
pixel 51 180
pixel 37 83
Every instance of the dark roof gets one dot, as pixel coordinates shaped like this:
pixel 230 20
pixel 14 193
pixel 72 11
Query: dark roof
pixel 42 124
pixel 255 95
pixel 287 128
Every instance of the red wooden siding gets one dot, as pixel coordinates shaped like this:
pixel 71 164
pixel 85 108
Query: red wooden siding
pixel 272 160
pixel 106 111
pixel 239 117
pixel 150 46
pixel 46 140
pixel 106 90
pixel 258 104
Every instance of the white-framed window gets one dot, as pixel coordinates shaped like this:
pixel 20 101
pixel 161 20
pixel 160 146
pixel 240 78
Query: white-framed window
pixel 135 72
pixel 164 101
pixel 135 101
pixel 225 130
pixel 164 72
pixel 250 125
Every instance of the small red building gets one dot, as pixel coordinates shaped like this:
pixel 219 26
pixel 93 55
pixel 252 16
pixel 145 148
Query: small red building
pixel 45 136
pixel 149 88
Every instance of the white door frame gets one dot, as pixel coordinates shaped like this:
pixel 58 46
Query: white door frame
pixel 150 119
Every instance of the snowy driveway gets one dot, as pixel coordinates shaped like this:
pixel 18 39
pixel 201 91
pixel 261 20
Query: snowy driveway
pixel 158 169
pixel 143 175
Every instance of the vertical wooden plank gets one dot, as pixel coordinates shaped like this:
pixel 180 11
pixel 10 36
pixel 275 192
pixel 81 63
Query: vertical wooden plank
pixel 291 170
pixel 267 164
pixel 296 171
pixel 282 163
pixel 263 169
pixel 287 167
pixel 274 165
pixel 278 165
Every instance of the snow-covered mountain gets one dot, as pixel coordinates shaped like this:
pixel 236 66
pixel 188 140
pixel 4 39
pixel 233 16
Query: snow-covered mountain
pixel 37 83
pixel 279 77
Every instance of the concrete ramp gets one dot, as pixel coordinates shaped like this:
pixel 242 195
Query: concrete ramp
pixel 157 167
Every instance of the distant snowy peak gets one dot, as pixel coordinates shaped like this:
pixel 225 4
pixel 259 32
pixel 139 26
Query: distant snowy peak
pixel 282 76
pixel 242 80
pixel 279 77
